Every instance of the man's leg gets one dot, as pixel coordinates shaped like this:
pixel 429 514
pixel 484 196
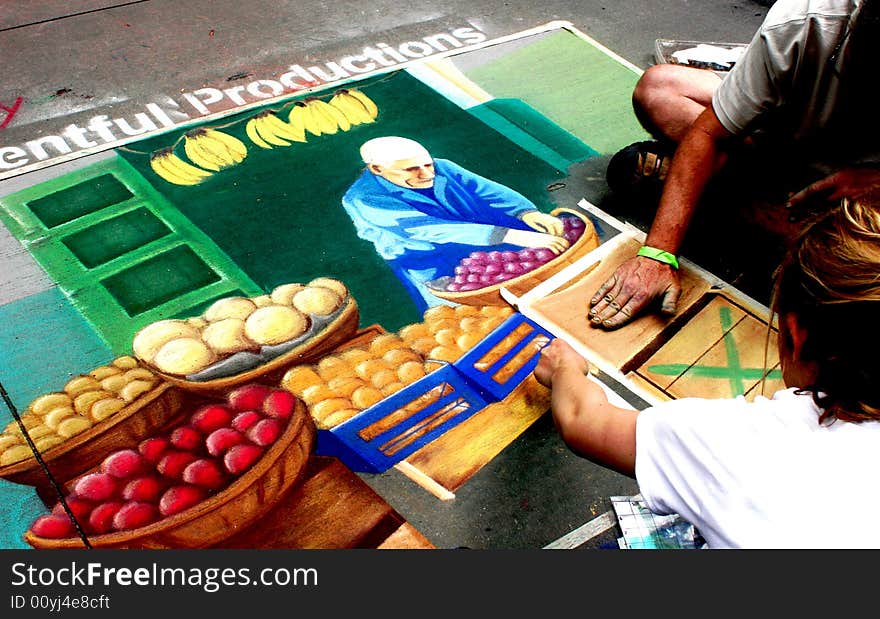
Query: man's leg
pixel 668 98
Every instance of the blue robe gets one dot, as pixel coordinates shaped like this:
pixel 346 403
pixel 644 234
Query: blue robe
pixel 423 233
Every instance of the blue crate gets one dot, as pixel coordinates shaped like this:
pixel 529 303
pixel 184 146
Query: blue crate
pixel 462 390
pixel 482 378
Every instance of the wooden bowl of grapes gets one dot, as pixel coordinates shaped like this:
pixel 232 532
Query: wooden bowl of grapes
pixel 479 278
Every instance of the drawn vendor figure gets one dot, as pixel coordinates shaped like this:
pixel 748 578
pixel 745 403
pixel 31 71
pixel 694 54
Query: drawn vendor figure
pixel 423 214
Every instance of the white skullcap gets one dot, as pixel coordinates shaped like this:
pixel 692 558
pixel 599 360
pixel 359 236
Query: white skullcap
pixel 388 149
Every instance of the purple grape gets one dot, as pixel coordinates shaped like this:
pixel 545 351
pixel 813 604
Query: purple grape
pixel 509 256
pixel 495 256
pixel 542 254
pixel 472 278
pixel 453 287
pixel 528 265
pixel 479 257
pixel 513 268
pixel 460 279
pixel 472 286
pixel 526 254
pixel 493 269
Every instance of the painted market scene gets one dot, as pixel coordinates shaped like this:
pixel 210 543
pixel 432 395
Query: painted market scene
pixel 458 278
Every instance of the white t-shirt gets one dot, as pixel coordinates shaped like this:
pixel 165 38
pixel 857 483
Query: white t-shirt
pixel 787 82
pixel 763 474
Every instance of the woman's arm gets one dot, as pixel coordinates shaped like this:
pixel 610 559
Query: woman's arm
pixel 589 424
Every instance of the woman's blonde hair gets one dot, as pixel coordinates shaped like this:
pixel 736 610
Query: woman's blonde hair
pixel 830 280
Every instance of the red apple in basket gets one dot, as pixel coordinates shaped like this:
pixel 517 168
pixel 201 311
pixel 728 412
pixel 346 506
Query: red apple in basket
pixel 173 462
pixel 101 518
pixel 53 526
pixel 80 508
pixel 123 464
pixel 205 473
pixel 279 404
pixel 248 397
pixel 147 488
pixel 220 440
pixel 244 421
pixel 186 438
pixel 134 514
pixel 211 417
pixel 152 449
pixel 96 487
pixel 241 457
pixel 265 432
pixel 178 498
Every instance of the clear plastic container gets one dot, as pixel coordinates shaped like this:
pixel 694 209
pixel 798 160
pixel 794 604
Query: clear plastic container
pixel 700 54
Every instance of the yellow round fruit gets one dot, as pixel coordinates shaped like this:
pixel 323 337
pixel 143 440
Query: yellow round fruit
pixel 106 407
pixel 317 393
pixel 227 336
pixel 73 425
pixel 332 367
pixel 299 378
pixel 114 383
pixel 366 396
pixel 391 388
pixel 125 362
pixel 410 372
pixel 316 300
pixel 197 322
pixel 48 442
pixel 447 337
pixel 139 374
pixel 135 389
pixel 182 356
pixel 322 409
pixel 57 415
pixel 275 324
pixel 384 342
pixel 151 338
pixel 283 294
pixel 335 418
pixel 344 386
pixel 444 353
pixel 79 384
pixel 383 377
pixel 102 372
pixel 49 401
pixel 83 402
pixel 411 333
pixel 15 453
pixel 467 341
pixel 333 284
pixel 366 369
pixel 398 356
pixel 438 312
pixel 230 307
pixel 263 300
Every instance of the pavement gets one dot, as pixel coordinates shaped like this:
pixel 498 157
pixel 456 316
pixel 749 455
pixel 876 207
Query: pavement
pixel 68 61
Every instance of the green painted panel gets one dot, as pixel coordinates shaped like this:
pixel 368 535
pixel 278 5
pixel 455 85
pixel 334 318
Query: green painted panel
pixel 114 237
pixel 68 204
pixel 573 82
pixel 158 280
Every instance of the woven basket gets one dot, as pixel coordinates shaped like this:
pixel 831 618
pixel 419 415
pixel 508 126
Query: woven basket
pixel 490 295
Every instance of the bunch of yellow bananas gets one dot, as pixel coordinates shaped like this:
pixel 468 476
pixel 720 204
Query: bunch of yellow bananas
pixel 266 130
pixel 346 109
pixel 212 149
pixel 175 170
pixel 357 107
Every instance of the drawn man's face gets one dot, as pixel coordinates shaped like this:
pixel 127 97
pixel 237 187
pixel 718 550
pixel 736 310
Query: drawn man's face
pixel 413 173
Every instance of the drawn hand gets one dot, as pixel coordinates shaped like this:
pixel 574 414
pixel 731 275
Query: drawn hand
pixel 542 222
pixel 633 286
pixel 525 238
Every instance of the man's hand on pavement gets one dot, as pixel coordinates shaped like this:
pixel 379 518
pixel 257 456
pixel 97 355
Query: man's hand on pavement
pixel 542 222
pixel 526 238
pixel 633 286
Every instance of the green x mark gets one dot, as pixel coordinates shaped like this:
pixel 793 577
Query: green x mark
pixel 733 371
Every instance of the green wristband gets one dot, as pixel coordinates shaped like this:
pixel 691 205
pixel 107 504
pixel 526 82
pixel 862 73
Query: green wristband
pixel 659 255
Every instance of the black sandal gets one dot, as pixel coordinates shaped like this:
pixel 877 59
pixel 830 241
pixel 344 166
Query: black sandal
pixel 640 168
